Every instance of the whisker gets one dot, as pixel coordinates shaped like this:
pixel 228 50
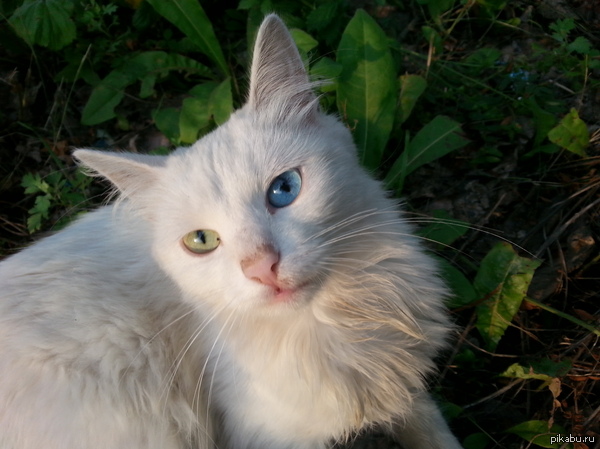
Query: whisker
pixel 350 220
pixel 216 363
pixel 147 344
pixel 178 360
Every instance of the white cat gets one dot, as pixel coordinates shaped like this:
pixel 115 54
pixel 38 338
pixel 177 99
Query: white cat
pixel 255 290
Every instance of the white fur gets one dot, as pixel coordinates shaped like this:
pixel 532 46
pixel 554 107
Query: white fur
pixel 113 335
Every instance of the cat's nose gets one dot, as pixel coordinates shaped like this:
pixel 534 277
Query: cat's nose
pixel 262 266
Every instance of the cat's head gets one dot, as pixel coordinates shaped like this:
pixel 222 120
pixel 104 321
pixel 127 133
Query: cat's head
pixel 263 212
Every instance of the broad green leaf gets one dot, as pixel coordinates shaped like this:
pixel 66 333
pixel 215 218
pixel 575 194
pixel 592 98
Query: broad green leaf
pixel 194 115
pixel 571 133
pixel 190 18
pixel 477 440
pixel 105 97
pixel 209 100
pixel 433 37
pixel 411 88
pixel 45 22
pixel 367 89
pixel 327 70
pixel 167 121
pixel 443 229
pixel 304 41
pixel 543 120
pixel 502 280
pixel 436 139
pixel 221 102
pixel 539 433
pixel 247 4
pixel 321 17
pixel 462 290
pixel 437 7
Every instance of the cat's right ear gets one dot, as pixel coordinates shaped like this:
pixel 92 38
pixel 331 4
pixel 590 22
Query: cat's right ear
pixel 279 84
pixel 128 172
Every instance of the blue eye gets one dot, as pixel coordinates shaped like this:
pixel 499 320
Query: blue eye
pixel 284 189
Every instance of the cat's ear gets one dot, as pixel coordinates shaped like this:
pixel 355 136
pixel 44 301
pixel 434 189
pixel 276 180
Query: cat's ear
pixel 279 84
pixel 129 172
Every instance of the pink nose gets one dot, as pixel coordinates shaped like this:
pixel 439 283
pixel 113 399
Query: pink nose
pixel 262 266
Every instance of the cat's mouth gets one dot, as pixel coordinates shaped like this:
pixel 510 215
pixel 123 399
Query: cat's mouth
pixel 289 294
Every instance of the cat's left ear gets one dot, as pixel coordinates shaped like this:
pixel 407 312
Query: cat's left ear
pixel 279 84
pixel 129 172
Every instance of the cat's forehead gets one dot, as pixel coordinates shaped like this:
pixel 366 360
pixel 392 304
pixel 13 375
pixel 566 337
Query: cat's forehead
pixel 244 151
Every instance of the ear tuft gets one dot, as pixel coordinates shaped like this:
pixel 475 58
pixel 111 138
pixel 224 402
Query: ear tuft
pixel 279 85
pixel 128 172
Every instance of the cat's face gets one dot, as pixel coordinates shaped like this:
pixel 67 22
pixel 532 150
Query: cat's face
pixel 262 196
pixel 255 215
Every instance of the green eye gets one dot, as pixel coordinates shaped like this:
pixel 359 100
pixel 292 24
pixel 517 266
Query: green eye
pixel 201 241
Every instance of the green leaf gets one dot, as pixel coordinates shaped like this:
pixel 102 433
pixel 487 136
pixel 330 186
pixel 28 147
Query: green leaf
pixel 105 97
pixel 491 8
pixel 42 205
pixel 167 121
pixel 150 65
pixel 411 88
pixel 562 28
pixel 444 229
pixel 571 133
pixel 33 183
pixel 539 433
pixel 483 59
pixel 45 22
pixel 520 372
pixel 463 292
pixel 322 16
pixel 327 70
pixel 436 139
pixel 580 45
pixel 248 4
pixel 502 280
pixel 437 7
pixel 433 38
pixel 190 18
pixel 34 222
pixel 194 115
pixel 221 102
pixel 477 440
pixel 39 212
pixel 304 41
pixel 147 67
pixel 367 89
pixel 209 100
pixel 551 368
pixel 543 121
